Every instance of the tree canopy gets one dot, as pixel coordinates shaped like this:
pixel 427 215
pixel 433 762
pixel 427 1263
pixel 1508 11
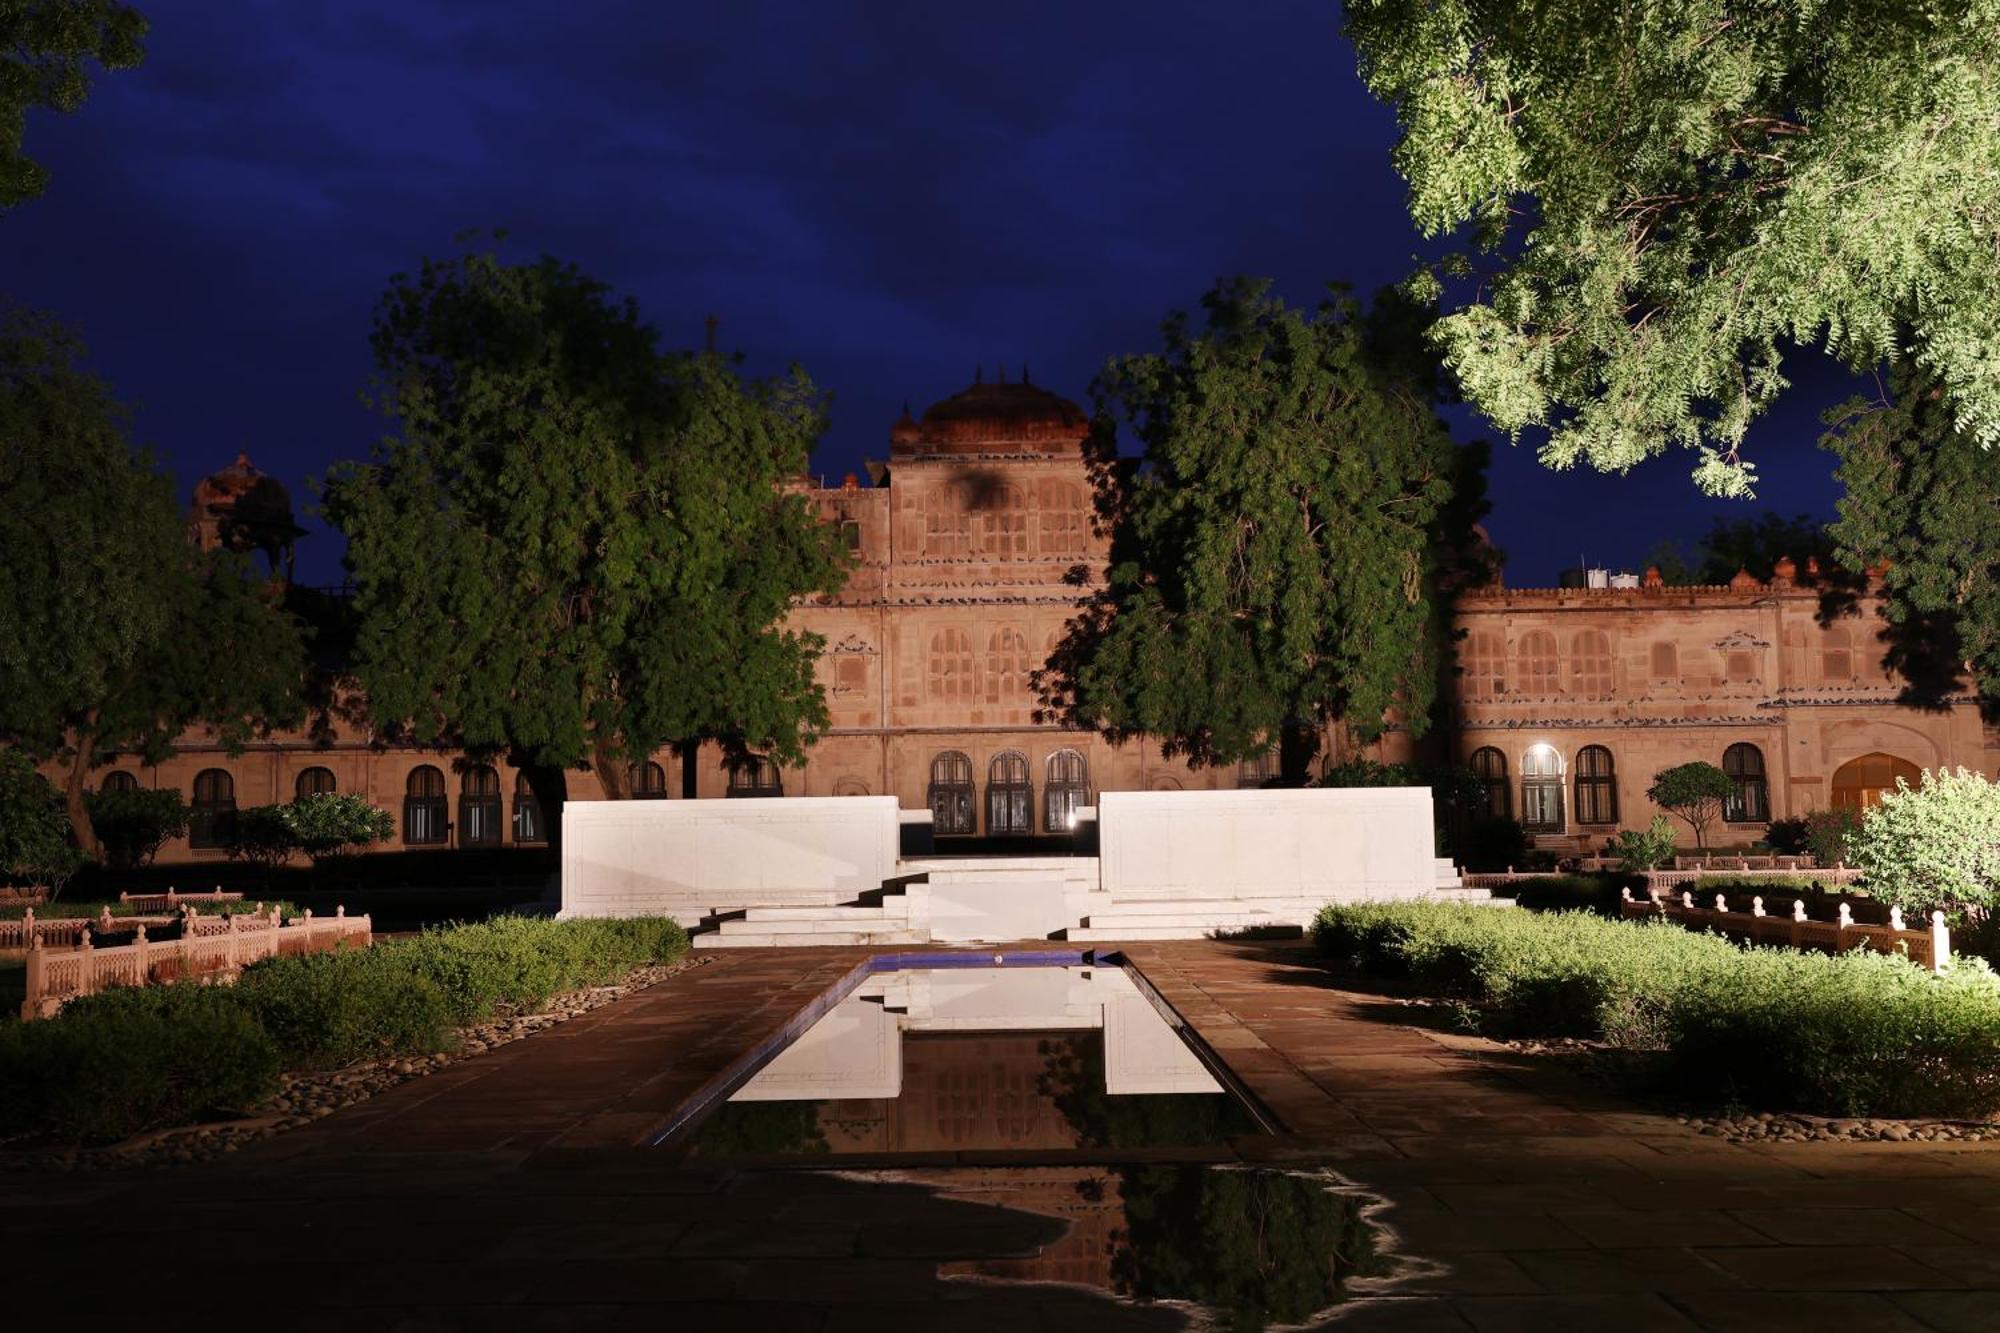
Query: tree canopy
pixel 1695 791
pixel 116 635
pixel 45 46
pixel 578 548
pixel 1276 555
pixel 1753 544
pixel 1664 194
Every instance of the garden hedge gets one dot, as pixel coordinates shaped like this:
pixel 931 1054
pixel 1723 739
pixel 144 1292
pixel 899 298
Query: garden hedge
pixel 1770 1029
pixel 124 1061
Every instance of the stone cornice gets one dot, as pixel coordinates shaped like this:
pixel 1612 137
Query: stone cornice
pixel 1620 723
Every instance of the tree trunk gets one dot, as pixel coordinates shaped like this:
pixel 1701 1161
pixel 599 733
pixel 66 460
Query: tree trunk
pixel 690 753
pixel 80 826
pixel 551 788
pixel 613 773
pixel 1298 742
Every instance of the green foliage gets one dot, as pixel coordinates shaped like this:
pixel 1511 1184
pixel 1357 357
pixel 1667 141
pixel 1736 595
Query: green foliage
pixel 1934 846
pixel 1786 837
pixel 1664 193
pixel 133 1059
pixel 1494 843
pixel 34 833
pixel 1694 791
pixel 1645 850
pixel 1830 833
pixel 1274 559
pixel 520 962
pixel 1849 1034
pixel 329 1009
pixel 333 824
pixel 1753 544
pixel 48 44
pixel 761 1129
pixel 134 822
pixel 578 547
pixel 258 834
pixel 1570 893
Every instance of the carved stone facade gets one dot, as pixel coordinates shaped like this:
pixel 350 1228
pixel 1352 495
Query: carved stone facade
pixel 974 541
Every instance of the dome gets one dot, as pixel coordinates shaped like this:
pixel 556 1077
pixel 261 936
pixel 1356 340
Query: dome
pixel 242 509
pixel 997 418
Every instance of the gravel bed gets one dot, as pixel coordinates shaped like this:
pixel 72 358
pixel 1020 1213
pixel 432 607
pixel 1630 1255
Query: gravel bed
pixel 1766 1127
pixel 305 1097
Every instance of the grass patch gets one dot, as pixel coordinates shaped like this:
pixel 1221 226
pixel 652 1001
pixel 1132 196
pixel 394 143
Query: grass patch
pixel 1771 1029
pixel 70 911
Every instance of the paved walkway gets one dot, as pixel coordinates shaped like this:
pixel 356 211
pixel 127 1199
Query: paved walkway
pixel 506 1193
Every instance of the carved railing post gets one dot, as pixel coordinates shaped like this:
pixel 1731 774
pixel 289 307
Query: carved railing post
pixel 1940 942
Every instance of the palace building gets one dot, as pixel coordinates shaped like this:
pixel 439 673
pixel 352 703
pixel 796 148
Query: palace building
pixel 974 541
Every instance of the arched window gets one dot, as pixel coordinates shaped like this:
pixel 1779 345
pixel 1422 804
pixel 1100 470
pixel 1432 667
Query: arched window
pixel 755 776
pixel 1003 524
pixel 1068 787
pixel 527 813
pixel 1541 671
pixel 1485 663
pixel 1542 790
pixel 213 815
pixel 314 781
pixel 479 807
pixel 1666 661
pixel 1059 526
pixel 849 787
pixel 425 813
pixel 1590 667
pixel 118 780
pixel 1749 800
pixel 951 667
pixel 1490 767
pixel 649 782
pixel 1259 770
pixel 1836 656
pixel 1861 783
pixel 1006 666
pixel 1165 784
pixel 1596 786
pixel 950 794
pixel 947 524
pixel 1010 794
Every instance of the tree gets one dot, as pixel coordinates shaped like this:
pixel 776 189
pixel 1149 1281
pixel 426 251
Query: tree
pixel 1274 559
pixel 1753 544
pixel 133 823
pixel 335 824
pixel 115 634
pixel 1693 791
pixel 34 835
pixel 1662 194
pixel 1934 846
pixel 578 548
pixel 44 46
pixel 1645 850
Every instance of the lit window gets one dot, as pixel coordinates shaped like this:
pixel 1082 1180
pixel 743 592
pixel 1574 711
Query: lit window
pixel 1542 790
pixel 1596 786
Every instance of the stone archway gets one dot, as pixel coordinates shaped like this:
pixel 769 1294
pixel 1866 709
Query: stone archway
pixel 1860 783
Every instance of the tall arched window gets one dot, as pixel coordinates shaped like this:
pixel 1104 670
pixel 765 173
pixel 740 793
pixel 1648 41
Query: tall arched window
pixel 1861 783
pixel 755 776
pixel 1590 666
pixel 1485 661
pixel 649 782
pixel 1749 799
pixel 1490 767
pixel 1067 788
pixel 1006 666
pixel 1259 770
pixel 118 780
pixel 950 794
pixel 951 667
pixel 1060 520
pixel 1003 524
pixel 314 781
pixel 947 524
pixel 213 815
pixel 1596 786
pixel 1010 794
pixel 1542 790
pixel 479 807
pixel 1836 656
pixel 1541 670
pixel 425 814
pixel 527 813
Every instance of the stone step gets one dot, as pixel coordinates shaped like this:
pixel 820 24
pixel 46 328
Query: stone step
pixel 754 925
pixel 1115 934
pixel 1137 908
pixel 894 907
pixel 848 938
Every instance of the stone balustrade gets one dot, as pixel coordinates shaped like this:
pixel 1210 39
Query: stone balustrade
pixel 172 902
pixel 1930 947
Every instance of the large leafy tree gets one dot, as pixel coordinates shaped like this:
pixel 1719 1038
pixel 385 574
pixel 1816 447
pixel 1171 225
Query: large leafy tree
pixel 115 634
pixel 1663 194
pixel 1753 544
pixel 1277 554
pixel 578 548
pixel 45 48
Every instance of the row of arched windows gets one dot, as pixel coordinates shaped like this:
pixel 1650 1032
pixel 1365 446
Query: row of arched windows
pixel 958 676
pixel 1593 785
pixel 1001 524
pixel 1010 793
pixel 1538 669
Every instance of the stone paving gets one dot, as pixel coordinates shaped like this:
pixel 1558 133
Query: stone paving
pixel 507 1193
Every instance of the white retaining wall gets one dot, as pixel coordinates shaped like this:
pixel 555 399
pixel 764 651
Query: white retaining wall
pixel 1316 845
pixel 688 858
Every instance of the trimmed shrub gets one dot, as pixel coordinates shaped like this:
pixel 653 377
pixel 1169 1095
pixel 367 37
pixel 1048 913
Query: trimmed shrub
pixel 335 824
pixel 522 962
pixel 133 823
pixel 133 1059
pixel 1787 837
pixel 328 1009
pixel 1934 846
pixel 1493 843
pixel 1645 850
pixel 1829 834
pixel 1572 893
pixel 258 835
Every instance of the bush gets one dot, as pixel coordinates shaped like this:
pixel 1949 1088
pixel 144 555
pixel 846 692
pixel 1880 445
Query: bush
pixel 259 835
pixel 135 822
pixel 133 1059
pixel 329 1009
pixel 334 824
pixel 1786 837
pixel 1853 1034
pixel 1493 843
pixel 1829 833
pixel 1648 850
pixel 1934 846
pixel 522 962
pixel 1571 893
pixel 34 830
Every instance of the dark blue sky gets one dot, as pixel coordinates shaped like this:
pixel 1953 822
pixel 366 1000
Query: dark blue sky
pixel 886 193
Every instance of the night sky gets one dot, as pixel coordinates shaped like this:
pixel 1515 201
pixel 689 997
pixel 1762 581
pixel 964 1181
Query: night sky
pixel 888 194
